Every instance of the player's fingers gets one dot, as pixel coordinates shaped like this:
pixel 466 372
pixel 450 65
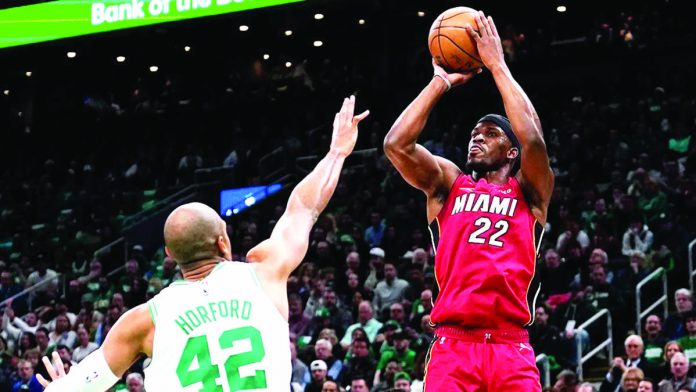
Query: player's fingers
pixel 351 108
pixel 49 368
pixel 42 380
pixel 361 116
pixel 337 119
pixel 472 33
pixel 58 364
pixel 342 113
pixel 492 25
pixel 486 29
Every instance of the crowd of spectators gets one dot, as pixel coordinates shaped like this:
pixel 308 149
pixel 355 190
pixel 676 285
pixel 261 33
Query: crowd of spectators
pixel 619 143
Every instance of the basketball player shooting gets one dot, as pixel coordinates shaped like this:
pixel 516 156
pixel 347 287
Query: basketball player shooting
pixel 224 326
pixel 486 228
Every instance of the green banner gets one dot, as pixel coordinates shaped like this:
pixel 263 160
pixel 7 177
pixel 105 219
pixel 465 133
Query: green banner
pixel 70 18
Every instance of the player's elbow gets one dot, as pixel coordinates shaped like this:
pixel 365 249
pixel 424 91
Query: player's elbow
pixel 395 145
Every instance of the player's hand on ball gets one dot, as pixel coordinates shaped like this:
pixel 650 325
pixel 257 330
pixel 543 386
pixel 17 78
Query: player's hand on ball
pixel 456 79
pixel 487 41
pixel 345 127
pixel 51 368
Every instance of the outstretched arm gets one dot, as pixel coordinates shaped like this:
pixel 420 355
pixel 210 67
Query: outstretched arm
pixel 420 168
pixel 128 338
pixel 535 176
pixel 284 250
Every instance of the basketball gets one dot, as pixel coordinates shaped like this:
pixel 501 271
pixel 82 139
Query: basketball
pixel 450 44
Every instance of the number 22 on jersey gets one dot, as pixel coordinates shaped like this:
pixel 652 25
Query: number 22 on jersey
pixel 207 373
pixel 484 224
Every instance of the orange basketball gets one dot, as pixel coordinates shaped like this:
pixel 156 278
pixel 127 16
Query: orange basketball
pixel 450 44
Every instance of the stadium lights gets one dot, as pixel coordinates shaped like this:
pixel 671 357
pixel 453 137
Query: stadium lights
pixel 154 68
pixel 361 21
pixel 288 64
pixel 318 16
pixel 71 55
pixel 120 59
pixel 288 33
pixel 188 48
pixel 243 28
pixel 266 56
pixel 28 73
pixel 421 14
pixel 561 8
pixel 318 44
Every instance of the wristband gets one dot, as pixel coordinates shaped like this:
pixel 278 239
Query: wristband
pixel 444 78
pixel 93 374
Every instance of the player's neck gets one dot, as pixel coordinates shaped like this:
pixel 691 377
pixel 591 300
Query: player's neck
pixel 200 270
pixel 497 177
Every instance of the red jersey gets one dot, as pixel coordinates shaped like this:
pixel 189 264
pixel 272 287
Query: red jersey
pixel 486 240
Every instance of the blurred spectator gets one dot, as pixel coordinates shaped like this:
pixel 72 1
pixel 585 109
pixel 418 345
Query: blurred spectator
pixel 672 347
pixel 9 288
pixel 329 386
pixel 376 268
pixel 637 238
pixel 586 387
pixel 366 321
pixel 44 293
pixel 84 346
pixel 42 340
pixel 653 339
pixel 555 276
pixel 27 378
pixel 135 382
pixel 566 381
pixel 63 333
pixel 634 348
pixel 375 232
pixel 630 380
pixel 674 327
pixel 388 291
pixel 360 362
pixel 688 342
pixel 297 319
pixel 679 368
pixel 318 369
pixel 572 234
pixel 544 337
pixel 402 382
pixel 386 382
pixel 323 351
pixel 401 353
pixel 359 384
pixel 299 368
pixel 647 385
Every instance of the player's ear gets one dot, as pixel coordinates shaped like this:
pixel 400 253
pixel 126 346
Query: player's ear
pixel 513 152
pixel 224 246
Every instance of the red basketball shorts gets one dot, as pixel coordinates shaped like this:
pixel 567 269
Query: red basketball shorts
pixel 481 361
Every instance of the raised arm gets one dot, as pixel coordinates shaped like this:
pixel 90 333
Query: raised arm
pixel 420 168
pixel 279 255
pixel 535 175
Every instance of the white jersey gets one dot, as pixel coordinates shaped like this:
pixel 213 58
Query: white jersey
pixel 220 334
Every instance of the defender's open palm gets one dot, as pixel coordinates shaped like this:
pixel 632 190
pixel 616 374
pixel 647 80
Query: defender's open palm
pixel 345 127
pixel 487 41
pixel 51 368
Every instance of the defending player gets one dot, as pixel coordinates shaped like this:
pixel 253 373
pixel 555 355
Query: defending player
pixel 224 327
pixel 486 228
